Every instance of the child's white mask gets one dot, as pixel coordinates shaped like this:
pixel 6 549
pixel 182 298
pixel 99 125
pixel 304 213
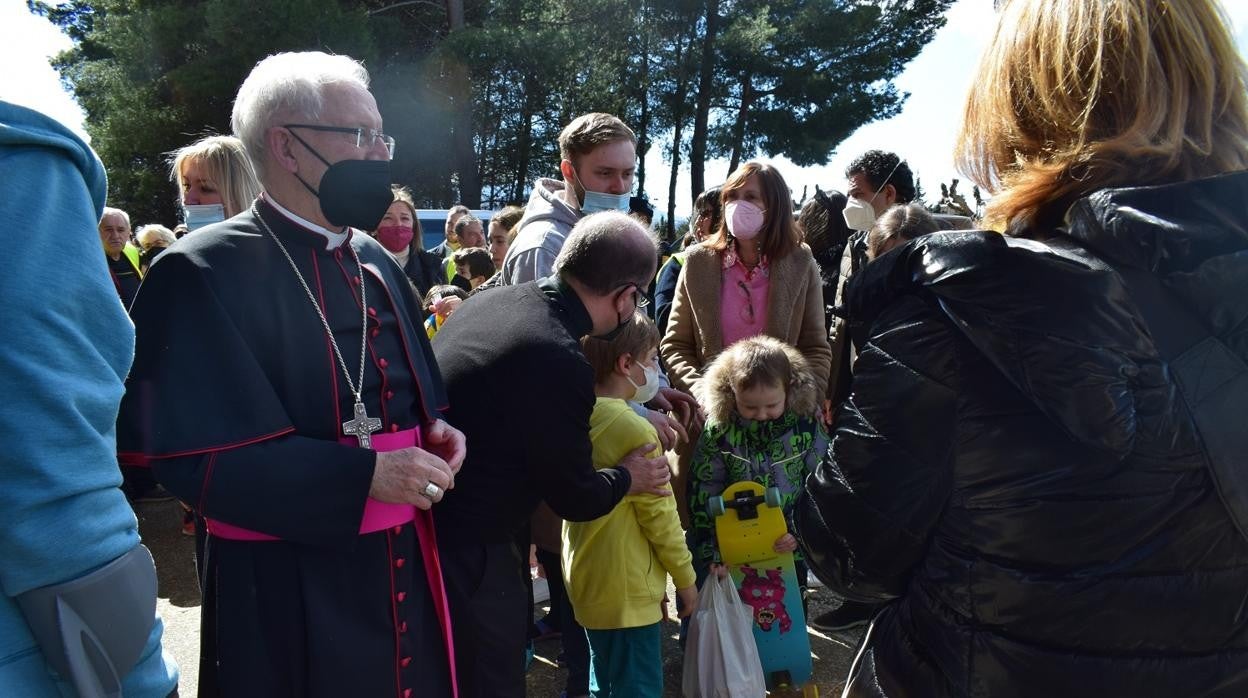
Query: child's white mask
pixel 646 391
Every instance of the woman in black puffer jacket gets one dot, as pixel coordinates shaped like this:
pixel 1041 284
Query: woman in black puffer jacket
pixel 1043 468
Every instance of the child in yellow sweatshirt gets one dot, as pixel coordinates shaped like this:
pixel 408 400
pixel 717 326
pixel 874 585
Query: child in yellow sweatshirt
pixel 616 566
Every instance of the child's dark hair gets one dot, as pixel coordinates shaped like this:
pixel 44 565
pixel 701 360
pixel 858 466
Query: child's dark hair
pixel 638 337
pixel 476 260
pixel 437 293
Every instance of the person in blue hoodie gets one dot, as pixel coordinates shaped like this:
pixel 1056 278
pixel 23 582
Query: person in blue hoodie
pixel 77 588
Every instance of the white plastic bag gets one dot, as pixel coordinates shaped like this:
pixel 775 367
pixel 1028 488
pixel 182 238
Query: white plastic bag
pixel 721 659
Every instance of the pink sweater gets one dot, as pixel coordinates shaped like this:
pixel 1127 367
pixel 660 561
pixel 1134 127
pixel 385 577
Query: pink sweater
pixel 743 298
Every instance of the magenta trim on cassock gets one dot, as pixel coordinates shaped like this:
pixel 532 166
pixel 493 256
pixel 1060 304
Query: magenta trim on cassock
pixel 379 516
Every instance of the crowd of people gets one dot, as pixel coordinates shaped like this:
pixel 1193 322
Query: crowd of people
pixel 1011 446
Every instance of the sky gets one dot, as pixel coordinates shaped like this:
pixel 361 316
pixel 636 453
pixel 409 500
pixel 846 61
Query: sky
pixel 923 133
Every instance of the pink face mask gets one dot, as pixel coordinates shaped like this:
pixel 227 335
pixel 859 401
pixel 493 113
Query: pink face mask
pixel 744 219
pixel 395 238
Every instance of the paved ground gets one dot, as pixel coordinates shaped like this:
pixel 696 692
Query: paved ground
pixel 178 590
pixel 178 606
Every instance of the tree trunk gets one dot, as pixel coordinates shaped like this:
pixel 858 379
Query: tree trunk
pixel 459 94
pixel 489 153
pixel 678 129
pixel 643 96
pixel 643 127
pixel 738 128
pixel 706 82
pixel 455 14
pixel 524 144
pixel 677 134
pixel 463 154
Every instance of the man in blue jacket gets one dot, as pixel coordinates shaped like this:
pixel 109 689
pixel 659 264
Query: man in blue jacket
pixel 77 589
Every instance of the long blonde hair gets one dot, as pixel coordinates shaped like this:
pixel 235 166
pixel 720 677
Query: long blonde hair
pixel 226 165
pixel 1073 96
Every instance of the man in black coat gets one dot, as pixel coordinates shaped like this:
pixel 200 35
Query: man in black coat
pixel 522 392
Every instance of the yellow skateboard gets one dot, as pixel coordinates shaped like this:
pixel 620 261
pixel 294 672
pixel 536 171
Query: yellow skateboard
pixel 748 522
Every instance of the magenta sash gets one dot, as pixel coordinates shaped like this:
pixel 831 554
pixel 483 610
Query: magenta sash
pixel 378 516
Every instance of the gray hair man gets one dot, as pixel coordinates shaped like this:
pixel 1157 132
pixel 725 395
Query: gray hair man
pixel 293 402
pixel 122 255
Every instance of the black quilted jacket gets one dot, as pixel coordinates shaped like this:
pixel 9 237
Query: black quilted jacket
pixel 1043 466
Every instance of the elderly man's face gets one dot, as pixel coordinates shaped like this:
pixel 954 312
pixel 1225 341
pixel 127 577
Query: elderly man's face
pixel 348 106
pixel 114 233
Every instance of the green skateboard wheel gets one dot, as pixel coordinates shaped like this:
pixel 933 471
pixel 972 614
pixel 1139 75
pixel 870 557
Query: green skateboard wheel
pixel 715 506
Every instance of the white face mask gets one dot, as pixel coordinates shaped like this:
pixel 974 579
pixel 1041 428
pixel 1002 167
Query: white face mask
pixel 859 215
pixel 646 391
pixel 198 215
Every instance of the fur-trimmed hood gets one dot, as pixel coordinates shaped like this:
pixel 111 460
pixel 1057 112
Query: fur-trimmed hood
pixel 714 391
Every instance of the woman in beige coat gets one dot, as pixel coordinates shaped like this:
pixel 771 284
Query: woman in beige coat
pixel 761 281
pixel 752 276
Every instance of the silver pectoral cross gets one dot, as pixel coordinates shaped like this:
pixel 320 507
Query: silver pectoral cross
pixel 362 426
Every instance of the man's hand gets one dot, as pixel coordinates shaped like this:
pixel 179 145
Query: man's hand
pixel 688 601
pixel 826 414
pixel 670 431
pixel 682 406
pixel 400 477
pixel 448 443
pixel 785 544
pixel 650 475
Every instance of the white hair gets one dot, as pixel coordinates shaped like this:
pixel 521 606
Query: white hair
pixel 110 211
pixel 284 87
pixel 152 232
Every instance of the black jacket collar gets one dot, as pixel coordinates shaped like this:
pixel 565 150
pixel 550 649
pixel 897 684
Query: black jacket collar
pixel 568 306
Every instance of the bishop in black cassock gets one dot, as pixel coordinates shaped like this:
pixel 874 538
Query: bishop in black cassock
pixel 237 401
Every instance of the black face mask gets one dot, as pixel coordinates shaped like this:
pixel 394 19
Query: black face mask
pixel 353 192
pixel 612 334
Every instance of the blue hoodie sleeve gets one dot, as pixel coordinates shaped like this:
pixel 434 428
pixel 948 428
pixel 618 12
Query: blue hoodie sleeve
pixel 67 347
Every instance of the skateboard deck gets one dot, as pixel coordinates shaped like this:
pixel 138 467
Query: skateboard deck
pixel 748 521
